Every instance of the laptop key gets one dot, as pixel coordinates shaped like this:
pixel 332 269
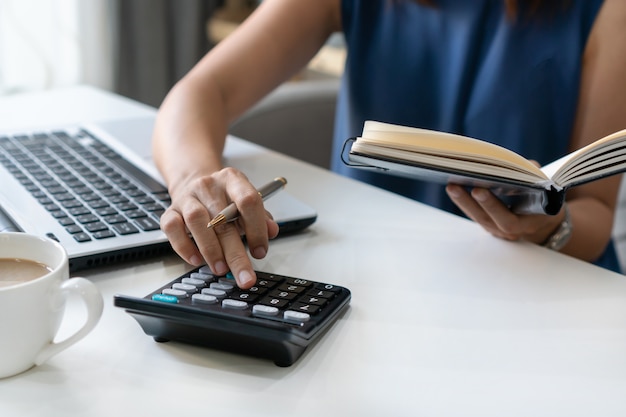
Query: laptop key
pixel 70 204
pixel 116 218
pixel 152 207
pixel 65 197
pixel 51 207
pixel 103 234
pixel 96 227
pixel 79 211
pixel 73 229
pixel 127 206
pixel 146 224
pixel 98 203
pixel 82 237
pixel 87 218
pixel 66 221
pixel 125 228
pixel 106 211
pixel 58 214
pixel 135 214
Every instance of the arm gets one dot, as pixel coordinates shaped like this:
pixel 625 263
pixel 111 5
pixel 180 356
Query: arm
pixel 600 112
pixel 192 123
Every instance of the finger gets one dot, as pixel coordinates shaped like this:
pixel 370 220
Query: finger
pixel 472 208
pixel 468 205
pixel 252 219
pixel 507 223
pixel 173 226
pixel 272 228
pixel 235 255
pixel 196 216
pixel 259 251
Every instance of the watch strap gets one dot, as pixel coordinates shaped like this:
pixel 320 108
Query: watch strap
pixel 562 234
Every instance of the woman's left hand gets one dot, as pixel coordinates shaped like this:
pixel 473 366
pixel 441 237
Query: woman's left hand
pixel 487 210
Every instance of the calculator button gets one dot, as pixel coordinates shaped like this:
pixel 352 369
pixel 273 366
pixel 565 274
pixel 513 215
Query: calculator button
pixel 214 292
pixel 222 286
pixel 305 308
pixel 328 287
pixel 165 298
pixel 291 288
pixel 318 301
pixel 270 277
pixel 236 304
pixel 274 302
pixel 193 281
pixel 264 283
pixel 265 311
pixel 256 290
pixel 321 294
pixel 245 296
pixel 205 270
pixel 188 288
pixel 286 295
pixel 204 299
pixel 175 293
pixel 299 282
pixel 202 277
pixel 228 281
pixel 296 316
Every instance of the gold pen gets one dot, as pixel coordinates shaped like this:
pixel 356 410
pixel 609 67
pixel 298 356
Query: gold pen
pixel 231 212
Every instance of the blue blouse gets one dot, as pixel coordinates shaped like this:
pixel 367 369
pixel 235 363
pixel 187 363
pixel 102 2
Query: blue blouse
pixel 466 68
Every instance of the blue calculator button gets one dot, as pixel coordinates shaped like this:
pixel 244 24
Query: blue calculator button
pixel 165 298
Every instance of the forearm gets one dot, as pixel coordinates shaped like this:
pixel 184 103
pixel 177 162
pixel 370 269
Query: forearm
pixel 189 133
pixel 592 226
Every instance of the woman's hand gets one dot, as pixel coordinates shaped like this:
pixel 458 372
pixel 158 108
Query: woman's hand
pixel 196 201
pixel 487 210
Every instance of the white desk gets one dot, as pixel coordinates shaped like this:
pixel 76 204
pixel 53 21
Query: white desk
pixel 445 320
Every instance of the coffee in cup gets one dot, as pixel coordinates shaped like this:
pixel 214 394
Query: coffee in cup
pixel 15 271
pixel 34 285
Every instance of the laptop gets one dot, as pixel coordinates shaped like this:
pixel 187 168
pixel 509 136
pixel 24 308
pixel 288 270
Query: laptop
pixel 95 189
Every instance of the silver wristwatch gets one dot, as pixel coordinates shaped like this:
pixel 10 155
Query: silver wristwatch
pixel 562 234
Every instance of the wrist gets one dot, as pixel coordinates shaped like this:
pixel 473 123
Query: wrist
pixel 185 178
pixel 562 234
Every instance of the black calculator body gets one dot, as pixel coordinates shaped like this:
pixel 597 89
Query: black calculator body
pixel 276 319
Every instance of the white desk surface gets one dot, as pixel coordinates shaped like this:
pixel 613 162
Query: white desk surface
pixel 445 320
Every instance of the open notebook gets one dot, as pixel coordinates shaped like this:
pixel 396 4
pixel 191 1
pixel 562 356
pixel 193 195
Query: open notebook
pixel 95 189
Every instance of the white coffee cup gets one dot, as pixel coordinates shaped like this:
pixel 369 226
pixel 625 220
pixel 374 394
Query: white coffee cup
pixel 31 311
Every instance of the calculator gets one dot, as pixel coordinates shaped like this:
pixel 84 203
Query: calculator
pixel 276 319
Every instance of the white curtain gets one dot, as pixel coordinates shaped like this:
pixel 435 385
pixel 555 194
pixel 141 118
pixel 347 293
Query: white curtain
pixel 55 43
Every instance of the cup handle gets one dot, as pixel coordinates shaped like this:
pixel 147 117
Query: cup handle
pixel 93 300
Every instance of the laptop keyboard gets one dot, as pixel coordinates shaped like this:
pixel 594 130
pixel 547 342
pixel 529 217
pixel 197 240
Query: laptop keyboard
pixel 90 189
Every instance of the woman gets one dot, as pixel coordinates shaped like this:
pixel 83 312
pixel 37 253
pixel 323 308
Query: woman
pixel 539 77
